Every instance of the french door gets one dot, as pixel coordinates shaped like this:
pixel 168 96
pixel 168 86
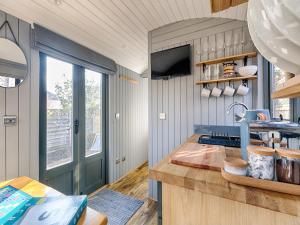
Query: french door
pixel 72 126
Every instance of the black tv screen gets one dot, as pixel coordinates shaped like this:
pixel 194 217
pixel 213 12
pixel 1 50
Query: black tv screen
pixel 171 62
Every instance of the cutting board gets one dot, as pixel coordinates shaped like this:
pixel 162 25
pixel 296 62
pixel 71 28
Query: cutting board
pixel 200 156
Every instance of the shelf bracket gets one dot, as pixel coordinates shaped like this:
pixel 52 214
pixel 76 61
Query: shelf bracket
pixel 204 67
pixel 245 60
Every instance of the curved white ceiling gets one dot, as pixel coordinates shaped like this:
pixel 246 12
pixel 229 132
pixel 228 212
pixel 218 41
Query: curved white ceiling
pixel 115 28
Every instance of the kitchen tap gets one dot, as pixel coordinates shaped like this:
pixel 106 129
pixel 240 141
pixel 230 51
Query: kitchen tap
pixel 238 118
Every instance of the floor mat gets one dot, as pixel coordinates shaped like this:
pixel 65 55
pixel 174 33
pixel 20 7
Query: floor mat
pixel 117 207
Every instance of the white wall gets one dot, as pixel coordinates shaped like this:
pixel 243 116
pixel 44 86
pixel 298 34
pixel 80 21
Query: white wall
pixel 19 145
pixel 179 97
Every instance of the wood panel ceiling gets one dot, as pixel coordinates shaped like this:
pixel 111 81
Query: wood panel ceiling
pixel 115 28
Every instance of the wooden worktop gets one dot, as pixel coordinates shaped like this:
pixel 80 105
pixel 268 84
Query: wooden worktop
pixel 37 189
pixel 212 182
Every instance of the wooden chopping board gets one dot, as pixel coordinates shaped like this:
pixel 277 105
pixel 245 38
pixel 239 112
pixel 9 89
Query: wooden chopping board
pixel 200 156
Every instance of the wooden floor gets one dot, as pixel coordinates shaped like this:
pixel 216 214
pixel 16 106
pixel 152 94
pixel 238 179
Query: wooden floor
pixel 135 184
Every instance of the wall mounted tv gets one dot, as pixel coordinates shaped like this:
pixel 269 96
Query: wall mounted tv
pixel 171 63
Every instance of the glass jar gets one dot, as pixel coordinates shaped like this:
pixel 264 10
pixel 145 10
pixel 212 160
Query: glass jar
pixel 207 73
pixel 261 162
pixel 215 72
pixel 288 166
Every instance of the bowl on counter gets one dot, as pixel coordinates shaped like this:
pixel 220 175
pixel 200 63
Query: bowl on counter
pixel 235 166
pixel 246 71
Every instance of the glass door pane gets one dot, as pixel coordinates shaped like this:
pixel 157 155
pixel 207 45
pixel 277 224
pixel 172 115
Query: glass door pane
pixel 93 113
pixel 59 112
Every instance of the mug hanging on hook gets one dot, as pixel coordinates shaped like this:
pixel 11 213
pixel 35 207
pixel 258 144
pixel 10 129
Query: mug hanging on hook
pixel 205 91
pixel 216 91
pixel 229 90
pixel 243 89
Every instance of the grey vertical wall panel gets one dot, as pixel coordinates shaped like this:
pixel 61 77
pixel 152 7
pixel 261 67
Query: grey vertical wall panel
pixel 150 118
pixel 159 122
pixel 197 88
pixel 154 126
pixel 219 48
pixel 34 115
pixel 118 150
pixel 19 145
pixel 126 130
pixel 111 128
pixel 204 101
pixel 183 104
pixel 128 135
pixel 2 113
pixel 190 97
pixel 212 102
pixel 177 108
pixel 15 140
pixel 2 137
pixel 165 109
pixel 171 114
pixel 183 109
pixel 122 138
pixel 24 105
pixel 12 108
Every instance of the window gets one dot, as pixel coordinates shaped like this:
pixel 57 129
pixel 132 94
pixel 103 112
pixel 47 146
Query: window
pixel 280 107
pixel 93 112
pixel 59 112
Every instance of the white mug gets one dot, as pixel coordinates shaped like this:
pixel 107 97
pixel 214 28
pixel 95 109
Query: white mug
pixel 216 92
pixel 242 90
pixel 205 92
pixel 229 91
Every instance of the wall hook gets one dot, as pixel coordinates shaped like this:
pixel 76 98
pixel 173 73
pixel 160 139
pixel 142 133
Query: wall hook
pixel 245 60
pixel 245 83
pixel 204 67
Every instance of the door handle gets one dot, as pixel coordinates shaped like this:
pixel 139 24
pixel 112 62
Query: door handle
pixel 76 126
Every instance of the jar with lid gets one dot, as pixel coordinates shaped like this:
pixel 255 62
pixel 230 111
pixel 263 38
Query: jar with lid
pixel 288 166
pixel 235 166
pixel 261 162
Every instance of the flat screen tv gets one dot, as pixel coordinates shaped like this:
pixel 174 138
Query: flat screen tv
pixel 170 63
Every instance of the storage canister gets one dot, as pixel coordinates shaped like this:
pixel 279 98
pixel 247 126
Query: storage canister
pixel 288 166
pixel 261 162
pixel 235 166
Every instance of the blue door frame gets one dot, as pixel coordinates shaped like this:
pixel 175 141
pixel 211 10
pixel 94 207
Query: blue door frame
pixel 84 174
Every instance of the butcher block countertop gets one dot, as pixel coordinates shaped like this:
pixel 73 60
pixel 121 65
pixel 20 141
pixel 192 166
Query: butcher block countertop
pixel 212 182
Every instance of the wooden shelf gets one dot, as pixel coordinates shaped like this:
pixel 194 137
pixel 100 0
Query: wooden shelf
pixel 291 89
pixel 222 80
pixel 228 58
pixel 129 79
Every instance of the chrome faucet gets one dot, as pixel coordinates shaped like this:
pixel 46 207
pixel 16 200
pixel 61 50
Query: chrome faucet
pixel 238 118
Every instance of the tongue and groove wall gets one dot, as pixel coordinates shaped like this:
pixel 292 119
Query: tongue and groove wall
pixel 19 145
pixel 180 98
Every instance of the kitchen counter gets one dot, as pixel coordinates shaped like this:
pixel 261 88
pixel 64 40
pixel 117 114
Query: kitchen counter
pixel 201 195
